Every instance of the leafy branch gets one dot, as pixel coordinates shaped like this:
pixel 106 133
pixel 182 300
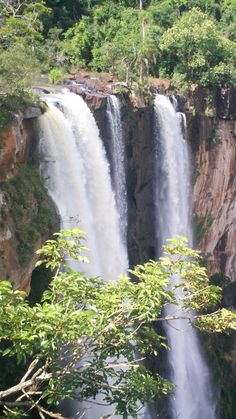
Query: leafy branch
pixel 80 340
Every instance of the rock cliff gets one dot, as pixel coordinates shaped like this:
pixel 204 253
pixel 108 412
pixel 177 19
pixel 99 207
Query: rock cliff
pixel 212 133
pixel 27 215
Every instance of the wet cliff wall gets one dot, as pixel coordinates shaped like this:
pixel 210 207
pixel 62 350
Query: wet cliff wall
pixel 211 120
pixel 27 216
pixel 212 135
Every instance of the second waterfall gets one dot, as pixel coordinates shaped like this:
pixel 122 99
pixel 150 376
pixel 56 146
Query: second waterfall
pixel 194 395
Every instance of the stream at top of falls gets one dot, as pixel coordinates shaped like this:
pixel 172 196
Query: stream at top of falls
pixel 194 395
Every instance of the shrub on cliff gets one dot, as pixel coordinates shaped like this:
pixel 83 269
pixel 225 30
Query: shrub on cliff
pixel 110 321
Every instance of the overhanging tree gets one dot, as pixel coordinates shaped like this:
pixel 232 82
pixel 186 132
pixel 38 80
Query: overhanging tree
pixel 80 340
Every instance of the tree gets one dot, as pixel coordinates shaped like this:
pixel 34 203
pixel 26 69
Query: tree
pixel 195 49
pixel 129 47
pixel 78 43
pixel 110 321
pixel 134 39
pixel 65 13
pixel 90 33
pixel 228 19
pixel 210 7
pixel 115 38
pixel 165 12
pixel 21 19
pixel 20 34
pixel 17 68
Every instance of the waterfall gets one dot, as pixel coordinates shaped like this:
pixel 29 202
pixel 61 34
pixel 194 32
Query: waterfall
pixel 77 175
pixel 194 395
pixel 118 161
pixel 78 179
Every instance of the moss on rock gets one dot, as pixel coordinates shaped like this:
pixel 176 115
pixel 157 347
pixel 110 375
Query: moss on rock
pixel 30 208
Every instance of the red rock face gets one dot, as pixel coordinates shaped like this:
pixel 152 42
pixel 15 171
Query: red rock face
pixel 15 142
pixel 18 144
pixel 215 195
pixel 10 266
pixel 8 151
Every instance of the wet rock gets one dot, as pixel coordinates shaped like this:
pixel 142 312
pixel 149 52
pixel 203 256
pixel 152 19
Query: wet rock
pixel 32 112
pixel 96 101
pixel 226 103
pixel 215 193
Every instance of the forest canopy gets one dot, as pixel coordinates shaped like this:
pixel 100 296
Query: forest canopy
pixel 189 41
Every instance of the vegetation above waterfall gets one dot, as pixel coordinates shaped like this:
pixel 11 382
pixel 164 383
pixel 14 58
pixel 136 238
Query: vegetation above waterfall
pixel 190 41
pixel 80 340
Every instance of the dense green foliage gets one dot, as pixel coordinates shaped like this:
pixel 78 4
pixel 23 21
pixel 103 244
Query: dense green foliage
pixel 110 321
pixel 194 49
pixel 28 204
pixel 192 41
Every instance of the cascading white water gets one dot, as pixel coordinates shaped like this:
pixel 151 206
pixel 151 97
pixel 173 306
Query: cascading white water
pixel 118 161
pixel 78 179
pixel 194 395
